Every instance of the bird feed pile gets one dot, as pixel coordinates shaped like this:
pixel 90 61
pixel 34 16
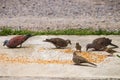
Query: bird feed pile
pixel 92 57
pixel 25 60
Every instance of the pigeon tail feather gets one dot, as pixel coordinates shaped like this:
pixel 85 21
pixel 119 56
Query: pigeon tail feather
pixel 92 63
pixel 114 45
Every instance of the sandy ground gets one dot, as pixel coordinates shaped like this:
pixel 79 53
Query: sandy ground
pixel 58 23
pixel 21 62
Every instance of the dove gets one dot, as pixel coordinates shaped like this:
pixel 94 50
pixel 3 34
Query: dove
pixel 100 44
pixel 111 51
pixel 58 42
pixel 79 59
pixel 16 41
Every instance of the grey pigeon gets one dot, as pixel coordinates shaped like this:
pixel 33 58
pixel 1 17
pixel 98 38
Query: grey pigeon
pixel 16 41
pixel 79 59
pixel 58 42
pixel 100 44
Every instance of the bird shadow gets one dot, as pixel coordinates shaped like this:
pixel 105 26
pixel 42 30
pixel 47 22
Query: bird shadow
pixel 55 48
pixel 85 65
pixel 59 48
pixel 102 49
pixel 24 47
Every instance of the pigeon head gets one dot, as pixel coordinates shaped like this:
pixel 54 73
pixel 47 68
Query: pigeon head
pixel 5 42
pixel 75 53
pixel 77 43
pixel 89 46
pixel 68 41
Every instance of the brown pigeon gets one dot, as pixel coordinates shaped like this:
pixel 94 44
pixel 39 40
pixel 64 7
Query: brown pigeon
pixel 16 41
pixel 78 47
pixel 100 44
pixel 58 42
pixel 111 51
pixel 79 59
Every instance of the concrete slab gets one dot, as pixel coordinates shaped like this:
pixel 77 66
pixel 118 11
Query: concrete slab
pixel 40 60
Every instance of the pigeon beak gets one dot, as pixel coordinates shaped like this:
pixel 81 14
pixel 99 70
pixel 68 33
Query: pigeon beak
pixel 3 44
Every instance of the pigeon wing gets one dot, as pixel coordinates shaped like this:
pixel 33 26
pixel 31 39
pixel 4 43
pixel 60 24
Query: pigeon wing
pixel 16 41
pixel 59 42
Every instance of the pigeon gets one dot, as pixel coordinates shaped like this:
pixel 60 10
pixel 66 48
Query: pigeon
pixel 111 51
pixel 79 59
pixel 118 56
pixel 100 44
pixel 16 41
pixel 78 47
pixel 58 42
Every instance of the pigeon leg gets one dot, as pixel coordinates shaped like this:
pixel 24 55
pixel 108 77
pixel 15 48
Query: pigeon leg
pixel 96 49
pixel 57 47
pixel 20 45
pixel 102 49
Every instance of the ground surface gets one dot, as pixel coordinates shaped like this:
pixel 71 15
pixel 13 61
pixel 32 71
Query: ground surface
pixel 40 60
pixel 60 14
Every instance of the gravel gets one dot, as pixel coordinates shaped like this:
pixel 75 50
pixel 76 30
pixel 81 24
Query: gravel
pixel 60 14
